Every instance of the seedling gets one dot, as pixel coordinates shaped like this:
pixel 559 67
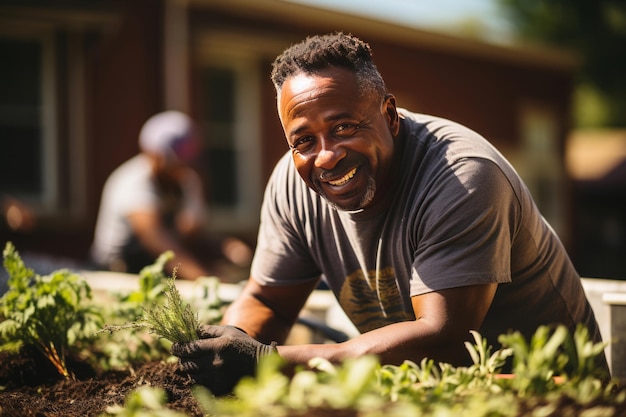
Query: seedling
pixel 173 320
pixel 48 312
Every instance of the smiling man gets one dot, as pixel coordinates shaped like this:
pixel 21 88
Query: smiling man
pixel 419 226
pixel 318 113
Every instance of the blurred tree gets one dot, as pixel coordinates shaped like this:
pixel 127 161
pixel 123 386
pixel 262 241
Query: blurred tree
pixel 596 31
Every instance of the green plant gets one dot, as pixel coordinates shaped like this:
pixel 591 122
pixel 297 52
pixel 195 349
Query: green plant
pixel 552 352
pixel 119 350
pixel 485 363
pixel 363 387
pixel 324 386
pixel 48 312
pixel 206 300
pixel 143 402
pixel 173 320
pixel 152 283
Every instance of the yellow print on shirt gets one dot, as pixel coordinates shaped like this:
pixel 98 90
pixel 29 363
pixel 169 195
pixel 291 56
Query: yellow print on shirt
pixel 374 300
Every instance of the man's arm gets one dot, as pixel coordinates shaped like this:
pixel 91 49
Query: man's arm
pixel 443 321
pixel 156 239
pixel 267 313
pixel 224 354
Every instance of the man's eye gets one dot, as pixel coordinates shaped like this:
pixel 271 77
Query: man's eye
pixel 303 144
pixel 346 129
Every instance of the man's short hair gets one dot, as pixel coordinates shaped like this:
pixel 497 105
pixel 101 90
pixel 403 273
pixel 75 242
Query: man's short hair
pixel 319 52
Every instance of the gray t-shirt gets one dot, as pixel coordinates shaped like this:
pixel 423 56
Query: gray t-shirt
pixel 133 188
pixel 459 215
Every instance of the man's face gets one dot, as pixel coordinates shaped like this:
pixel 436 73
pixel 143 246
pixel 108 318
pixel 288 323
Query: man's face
pixel 342 141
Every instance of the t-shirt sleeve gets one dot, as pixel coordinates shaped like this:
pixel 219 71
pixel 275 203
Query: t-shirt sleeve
pixel 465 232
pixel 282 255
pixel 135 194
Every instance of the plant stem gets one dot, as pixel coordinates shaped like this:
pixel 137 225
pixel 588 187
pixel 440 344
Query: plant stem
pixel 57 360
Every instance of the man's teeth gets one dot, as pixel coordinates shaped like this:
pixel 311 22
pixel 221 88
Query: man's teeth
pixel 344 179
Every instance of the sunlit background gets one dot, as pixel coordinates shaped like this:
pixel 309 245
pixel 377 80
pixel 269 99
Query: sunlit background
pixel 544 81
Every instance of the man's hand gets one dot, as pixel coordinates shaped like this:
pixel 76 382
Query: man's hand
pixel 221 357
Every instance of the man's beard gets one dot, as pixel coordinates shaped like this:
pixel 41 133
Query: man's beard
pixel 365 200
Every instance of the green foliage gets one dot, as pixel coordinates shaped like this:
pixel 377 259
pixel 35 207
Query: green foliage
pixel 583 354
pixel 430 385
pixel 595 31
pixel 536 362
pixel 143 402
pixel 48 312
pixel 152 283
pixel 324 386
pixel 173 320
pixel 139 343
pixel 485 363
pixel 366 388
pixel 549 353
pixel 118 351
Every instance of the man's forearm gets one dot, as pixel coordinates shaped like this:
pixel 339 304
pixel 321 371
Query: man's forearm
pixel 267 313
pixel 392 344
pixel 256 319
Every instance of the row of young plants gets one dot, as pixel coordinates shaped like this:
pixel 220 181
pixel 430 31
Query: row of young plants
pixel 58 315
pixel 554 372
pixel 364 387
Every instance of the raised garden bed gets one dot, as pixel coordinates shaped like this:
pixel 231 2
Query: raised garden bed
pixel 148 384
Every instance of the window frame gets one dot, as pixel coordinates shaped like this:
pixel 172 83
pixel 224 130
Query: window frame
pixel 46 201
pixel 235 52
pixel 542 165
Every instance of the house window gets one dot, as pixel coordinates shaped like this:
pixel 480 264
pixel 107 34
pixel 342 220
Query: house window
pixel 27 160
pixel 220 143
pixel 230 124
pixel 20 124
pixel 543 169
pixel 230 76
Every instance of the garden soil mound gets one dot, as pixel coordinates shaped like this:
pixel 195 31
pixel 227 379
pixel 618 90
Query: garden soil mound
pixel 32 388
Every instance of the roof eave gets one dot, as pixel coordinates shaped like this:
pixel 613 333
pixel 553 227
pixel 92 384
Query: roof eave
pixel 530 55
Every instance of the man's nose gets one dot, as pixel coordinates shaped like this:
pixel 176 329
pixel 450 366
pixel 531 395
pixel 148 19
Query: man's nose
pixel 329 154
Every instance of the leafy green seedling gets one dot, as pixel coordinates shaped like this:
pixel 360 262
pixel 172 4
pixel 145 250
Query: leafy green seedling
pixel 550 352
pixel 143 402
pixel 122 351
pixel 484 362
pixel 136 345
pixel 173 320
pixel 363 387
pixel 48 312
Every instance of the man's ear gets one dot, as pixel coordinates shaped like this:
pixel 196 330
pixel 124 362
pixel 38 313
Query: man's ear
pixel 391 112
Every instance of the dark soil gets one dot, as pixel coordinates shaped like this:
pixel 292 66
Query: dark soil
pixel 33 388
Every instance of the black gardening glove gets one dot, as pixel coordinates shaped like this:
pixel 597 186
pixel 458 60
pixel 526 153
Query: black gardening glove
pixel 221 357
